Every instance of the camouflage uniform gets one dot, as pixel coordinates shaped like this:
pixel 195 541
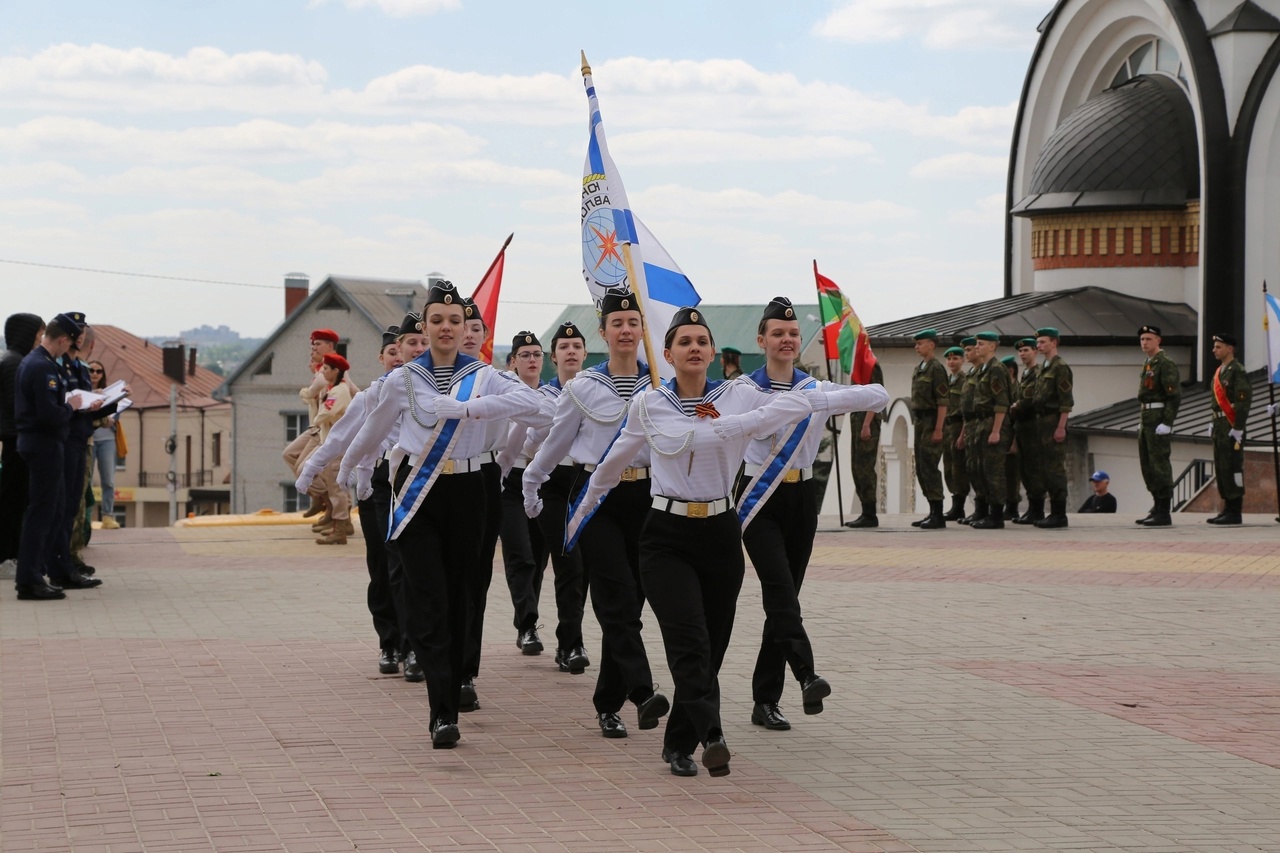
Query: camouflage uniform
pixel 866 452
pixel 953 460
pixel 991 396
pixel 1053 396
pixel 1159 393
pixel 972 454
pixel 1029 448
pixel 1228 455
pixel 928 391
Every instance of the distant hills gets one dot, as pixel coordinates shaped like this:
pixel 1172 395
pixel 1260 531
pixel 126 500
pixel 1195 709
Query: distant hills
pixel 220 349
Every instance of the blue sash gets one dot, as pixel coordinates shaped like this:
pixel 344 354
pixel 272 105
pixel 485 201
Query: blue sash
pixel 578 516
pixel 767 479
pixel 423 476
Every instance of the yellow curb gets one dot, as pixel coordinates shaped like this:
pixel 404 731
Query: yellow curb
pixel 261 518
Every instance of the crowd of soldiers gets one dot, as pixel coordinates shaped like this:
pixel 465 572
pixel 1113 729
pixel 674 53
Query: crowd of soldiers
pixel 999 431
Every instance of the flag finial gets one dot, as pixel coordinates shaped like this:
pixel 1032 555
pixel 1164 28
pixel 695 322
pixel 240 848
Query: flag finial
pixel 586 69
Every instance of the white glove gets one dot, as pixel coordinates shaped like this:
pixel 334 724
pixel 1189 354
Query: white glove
pixel 506 460
pixel 1271 410
pixel 730 427
pixel 449 408
pixel 1163 429
pixel 1209 431
pixel 1237 434
pixel 344 475
pixel 532 506
pixel 364 484
pixel 305 479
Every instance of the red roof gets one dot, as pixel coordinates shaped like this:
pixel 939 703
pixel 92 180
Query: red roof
pixel 140 364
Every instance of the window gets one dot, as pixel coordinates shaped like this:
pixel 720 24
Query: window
pixel 293 502
pixel 264 367
pixel 216 449
pixel 1151 57
pixel 332 302
pixel 341 348
pixel 295 425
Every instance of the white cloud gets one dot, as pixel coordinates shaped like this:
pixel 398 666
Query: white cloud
pixel 986 211
pixel 961 166
pixel 676 147
pixel 399 8
pixel 938 23
pixel 790 206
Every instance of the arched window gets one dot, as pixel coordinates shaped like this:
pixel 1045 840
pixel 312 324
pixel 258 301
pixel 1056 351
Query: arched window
pixel 1156 56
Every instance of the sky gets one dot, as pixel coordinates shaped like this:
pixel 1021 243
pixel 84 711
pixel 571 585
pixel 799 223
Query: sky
pixel 236 141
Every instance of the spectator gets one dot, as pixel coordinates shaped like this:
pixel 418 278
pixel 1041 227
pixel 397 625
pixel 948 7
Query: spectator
pixel 104 451
pixel 21 334
pixel 1101 500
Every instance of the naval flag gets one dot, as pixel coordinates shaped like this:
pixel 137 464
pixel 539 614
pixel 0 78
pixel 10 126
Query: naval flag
pixel 1271 325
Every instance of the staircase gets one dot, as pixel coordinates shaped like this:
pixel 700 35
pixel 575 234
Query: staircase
pixel 1192 481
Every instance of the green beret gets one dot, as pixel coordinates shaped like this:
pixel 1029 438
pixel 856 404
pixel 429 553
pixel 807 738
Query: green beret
pixel 1048 332
pixel 730 351
pixel 968 342
pixel 954 351
pixel 926 335
pixel 988 336
pixel 1026 342
pixel 1010 361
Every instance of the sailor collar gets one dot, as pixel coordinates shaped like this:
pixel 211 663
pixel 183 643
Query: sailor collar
pixel 714 389
pixel 464 366
pixel 761 379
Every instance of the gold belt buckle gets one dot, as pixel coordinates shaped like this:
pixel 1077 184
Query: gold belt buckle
pixel 792 476
pixel 448 467
pixel 628 475
pixel 698 510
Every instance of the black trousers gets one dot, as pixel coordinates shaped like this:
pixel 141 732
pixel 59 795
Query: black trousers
pixel 524 557
pixel 482 576
pixel 779 541
pixel 13 497
pixel 46 502
pixel 570 588
pixel 693 568
pixel 441 551
pixel 383 598
pixel 75 452
pixel 610 544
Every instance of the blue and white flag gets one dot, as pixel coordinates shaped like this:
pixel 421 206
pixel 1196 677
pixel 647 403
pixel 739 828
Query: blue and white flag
pixel 1271 325
pixel 610 230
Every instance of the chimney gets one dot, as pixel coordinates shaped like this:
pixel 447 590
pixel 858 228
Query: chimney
pixel 296 287
pixel 175 356
pixel 191 362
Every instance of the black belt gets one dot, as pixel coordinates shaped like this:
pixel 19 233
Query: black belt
pixel 920 413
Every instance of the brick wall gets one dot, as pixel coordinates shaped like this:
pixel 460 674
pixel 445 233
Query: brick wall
pixel 1157 238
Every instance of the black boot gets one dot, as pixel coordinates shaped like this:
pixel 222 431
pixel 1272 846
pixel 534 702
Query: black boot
pixel 1149 514
pixel 867 519
pixel 979 511
pixel 1230 515
pixel 1034 513
pixel 957 508
pixel 921 521
pixel 934 520
pixel 994 519
pixel 1057 516
pixel 1011 511
pixel 1160 515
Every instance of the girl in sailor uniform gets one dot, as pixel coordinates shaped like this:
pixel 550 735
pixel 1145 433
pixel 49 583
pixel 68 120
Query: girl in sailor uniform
pixel 588 416
pixel 568 349
pixel 691 547
pixel 438 514
pixel 778 508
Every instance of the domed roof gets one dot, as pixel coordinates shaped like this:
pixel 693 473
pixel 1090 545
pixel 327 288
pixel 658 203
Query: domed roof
pixel 1132 147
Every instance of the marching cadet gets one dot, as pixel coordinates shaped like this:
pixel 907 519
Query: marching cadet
pixel 778 508
pixel 968 441
pixel 385 594
pixel 1026 438
pixel 864 437
pixel 691 547
pixel 323 342
pixel 588 416
pixel 1012 490
pixel 438 514
pixel 524 556
pixel 1053 402
pixel 992 434
pixel 568 349
pixel 1159 393
pixel 1231 398
pixel 930 396
pixel 334 403
pixel 953 456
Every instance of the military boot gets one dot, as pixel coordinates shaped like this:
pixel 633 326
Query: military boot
pixel 957 508
pixel 1057 516
pixel 1230 515
pixel 1034 513
pixel 994 519
pixel 867 519
pixel 979 511
pixel 1148 516
pixel 1160 514
pixel 934 521
pixel 1011 511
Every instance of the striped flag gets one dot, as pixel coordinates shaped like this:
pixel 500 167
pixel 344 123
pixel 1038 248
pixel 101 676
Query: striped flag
pixel 849 355
pixel 1271 327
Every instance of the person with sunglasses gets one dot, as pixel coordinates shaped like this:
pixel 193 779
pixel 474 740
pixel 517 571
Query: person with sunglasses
pixel 104 451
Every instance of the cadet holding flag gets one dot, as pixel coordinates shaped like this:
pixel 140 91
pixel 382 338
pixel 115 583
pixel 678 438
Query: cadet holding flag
pixel 930 396
pixel 1159 393
pixel 1232 395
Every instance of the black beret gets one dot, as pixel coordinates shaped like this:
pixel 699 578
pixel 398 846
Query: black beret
pixel 1150 330
pixel 524 339
pixel 618 300
pixel 567 332
pixel 443 292
pixel 1229 340
pixel 779 308
pixel 411 324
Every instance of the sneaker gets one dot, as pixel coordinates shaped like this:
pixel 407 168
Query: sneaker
pixel 109 523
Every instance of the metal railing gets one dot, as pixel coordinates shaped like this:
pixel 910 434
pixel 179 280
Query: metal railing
pixel 1195 477
pixel 184 481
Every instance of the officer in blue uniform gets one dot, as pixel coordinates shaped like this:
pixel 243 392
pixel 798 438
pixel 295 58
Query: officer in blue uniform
pixel 71 572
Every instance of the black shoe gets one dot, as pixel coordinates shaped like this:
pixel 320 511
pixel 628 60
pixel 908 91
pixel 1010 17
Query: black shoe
pixel 573 661
pixel 38 592
pixel 413 670
pixel 813 691
pixel 467 699
pixel 651 710
pixel 681 764
pixel 75 580
pixel 444 735
pixel 767 714
pixel 715 757
pixel 994 520
pixel 1160 516
pixel 611 725
pixel 530 643
pixel 921 521
pixel 1057 516
pixel 1010 511
pixel 388 662
pixel 1146 517
pixel 934 520
pixel 956 513
pixel 85 569
pixel 864 520
pixel 979 512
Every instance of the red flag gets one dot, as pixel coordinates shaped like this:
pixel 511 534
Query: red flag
pixel 847 344
pixel 486 299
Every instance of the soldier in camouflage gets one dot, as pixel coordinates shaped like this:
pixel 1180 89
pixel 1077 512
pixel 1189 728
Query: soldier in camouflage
pixel 1012 479
pixel 1231 396
pixel 953 461
pixel 1159 393
pixel 930 397
pixel 1053 403
pixel 1025 438
pixel 969 432
pixel 992 397
pixel 864 439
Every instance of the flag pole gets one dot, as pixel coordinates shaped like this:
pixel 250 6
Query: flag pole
pixel 831 422
pixel 1271 392
pixel 490 334
pixel 494 263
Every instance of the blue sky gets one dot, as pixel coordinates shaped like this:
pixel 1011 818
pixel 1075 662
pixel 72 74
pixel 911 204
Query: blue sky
pixel 238 141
